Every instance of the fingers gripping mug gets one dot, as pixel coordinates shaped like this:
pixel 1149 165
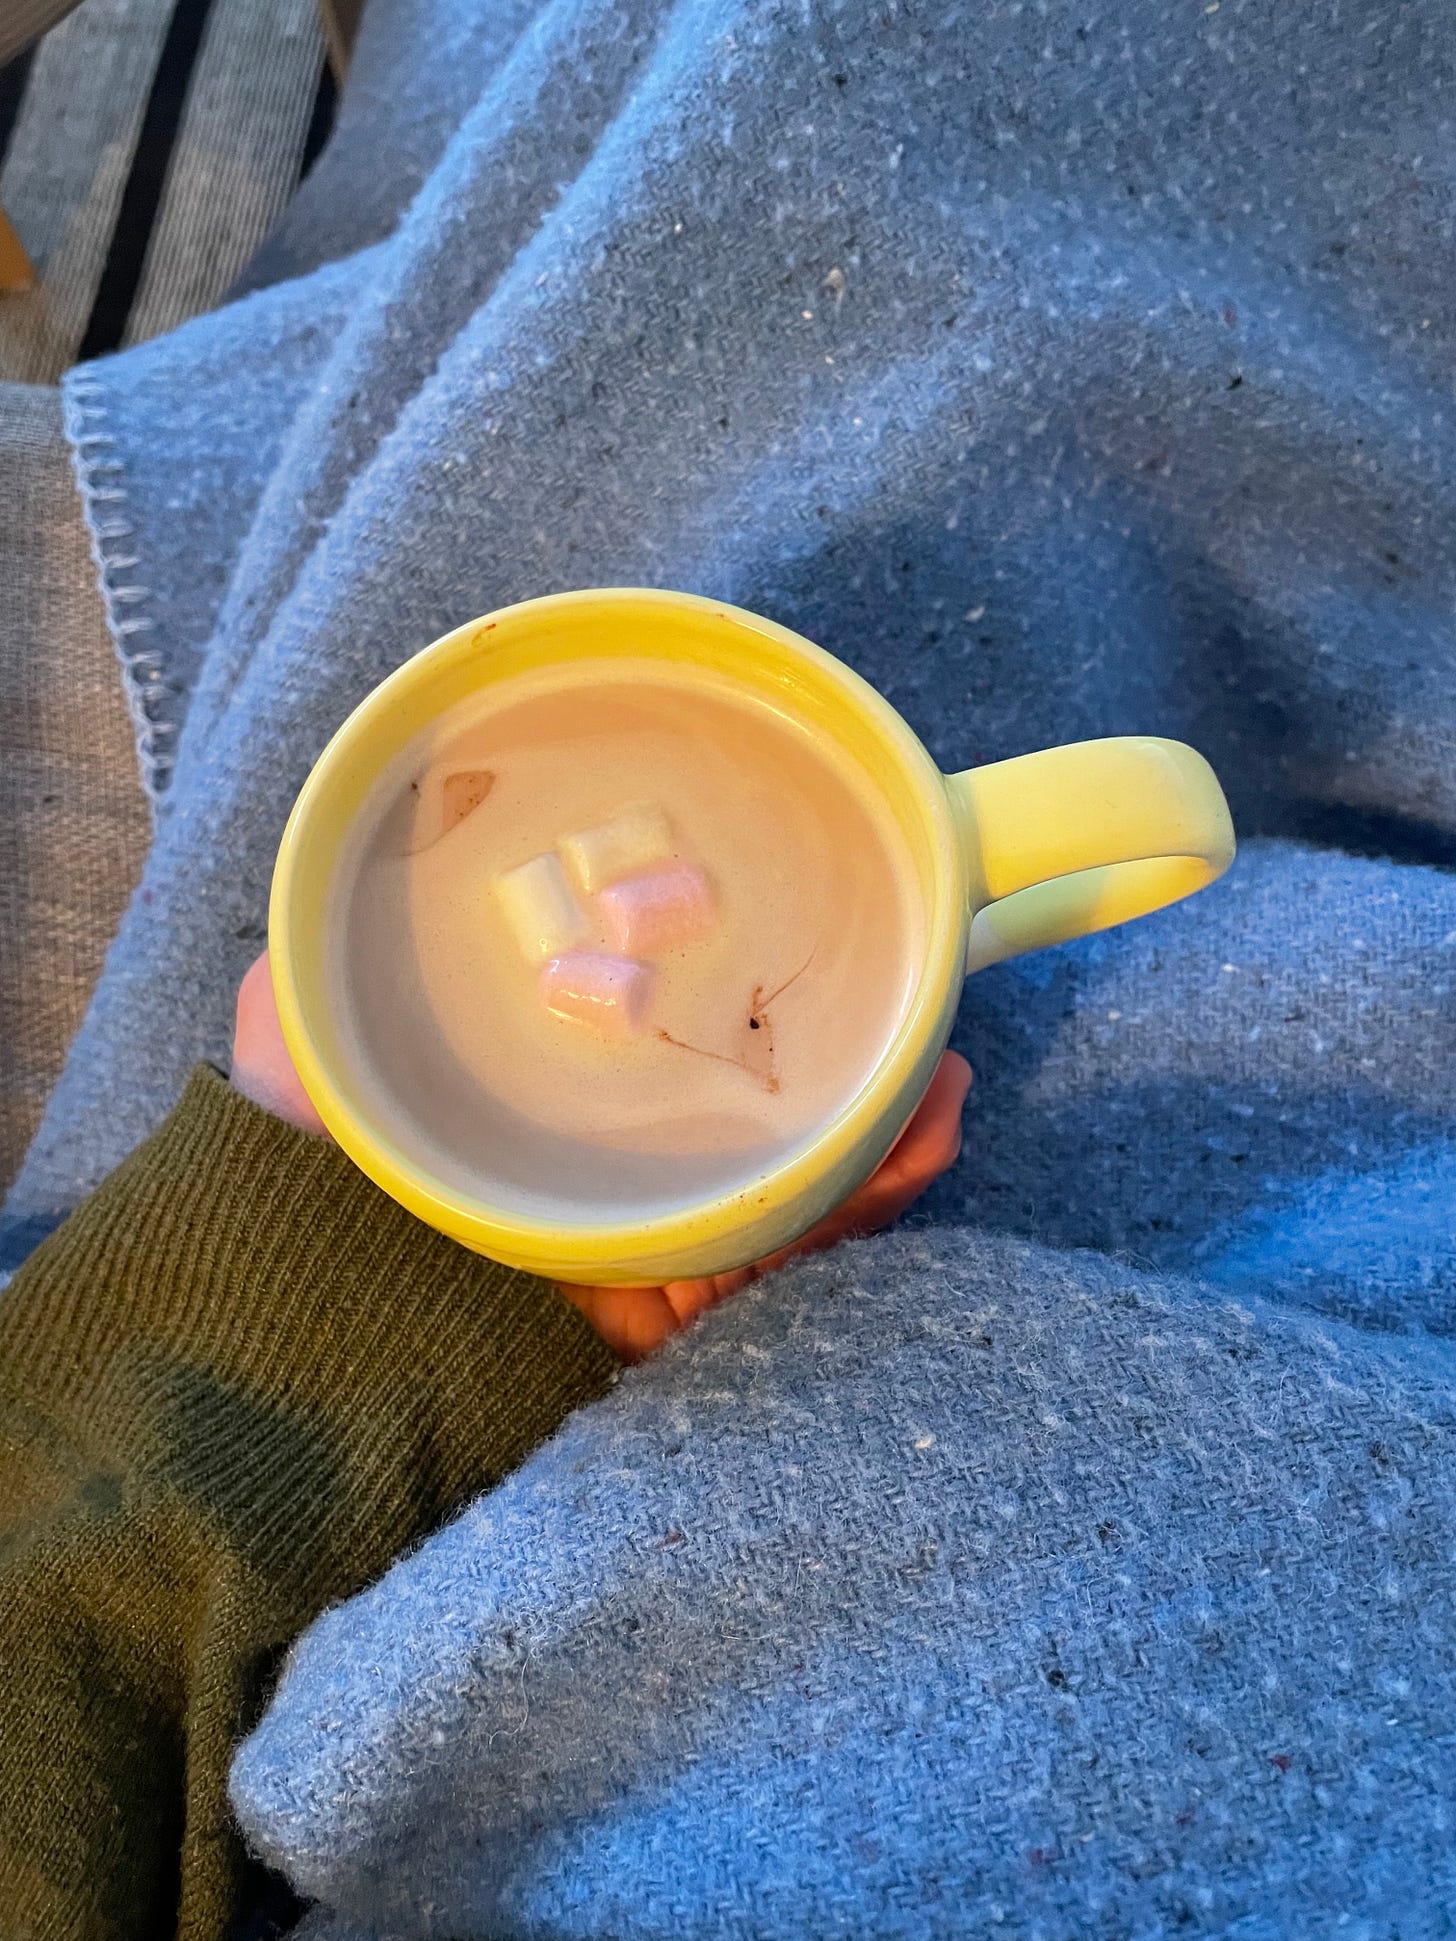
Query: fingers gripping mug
pixel 618 933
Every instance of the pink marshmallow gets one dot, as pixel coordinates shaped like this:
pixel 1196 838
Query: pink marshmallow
pixel 658 911
pixel 588 985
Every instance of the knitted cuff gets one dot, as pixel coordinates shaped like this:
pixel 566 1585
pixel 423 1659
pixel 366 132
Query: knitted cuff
pixel 244 1277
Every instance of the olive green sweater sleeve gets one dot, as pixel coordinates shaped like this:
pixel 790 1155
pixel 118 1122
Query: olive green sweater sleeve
pixel 233 1387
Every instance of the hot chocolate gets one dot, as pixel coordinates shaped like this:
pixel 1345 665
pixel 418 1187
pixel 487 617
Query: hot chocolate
pixel 603 943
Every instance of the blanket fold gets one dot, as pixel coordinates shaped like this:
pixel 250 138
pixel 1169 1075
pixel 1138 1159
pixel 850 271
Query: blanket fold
pixel 1068 370
pixel 943 1586
pixel 953 342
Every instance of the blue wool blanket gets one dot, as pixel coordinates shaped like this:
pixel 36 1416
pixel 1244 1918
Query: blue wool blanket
pixel 1076 1561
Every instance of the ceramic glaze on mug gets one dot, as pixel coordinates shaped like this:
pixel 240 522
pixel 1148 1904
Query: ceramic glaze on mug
pixel 618 933
pixel 606 941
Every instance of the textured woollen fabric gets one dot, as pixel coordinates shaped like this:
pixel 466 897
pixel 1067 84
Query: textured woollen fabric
pixel 73 820
pixel 1068 372
pixel 197 382
pixel 232 1387
pixel 943 1585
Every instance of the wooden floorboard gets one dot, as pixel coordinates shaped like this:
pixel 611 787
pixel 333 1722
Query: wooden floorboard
pixel 66 168
pixel 152 143
pixel 237 157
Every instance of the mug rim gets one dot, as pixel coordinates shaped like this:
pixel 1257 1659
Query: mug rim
pixel 518 1238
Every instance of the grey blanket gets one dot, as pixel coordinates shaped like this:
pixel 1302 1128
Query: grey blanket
pixel 947 1586
pixel 1067 370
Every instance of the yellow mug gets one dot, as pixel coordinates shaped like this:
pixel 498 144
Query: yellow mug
pixel 1010 857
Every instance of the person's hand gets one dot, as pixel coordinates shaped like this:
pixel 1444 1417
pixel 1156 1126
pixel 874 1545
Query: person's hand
pixel 635 1320
pixel 262 1069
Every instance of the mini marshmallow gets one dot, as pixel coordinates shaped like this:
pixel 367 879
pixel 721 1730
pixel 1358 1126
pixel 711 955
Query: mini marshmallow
pixel 609 993
pixel 630 842
pixel 540 907
pixel 659 911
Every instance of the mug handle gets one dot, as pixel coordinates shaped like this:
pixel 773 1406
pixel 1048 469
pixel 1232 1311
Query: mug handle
pixel 1074 839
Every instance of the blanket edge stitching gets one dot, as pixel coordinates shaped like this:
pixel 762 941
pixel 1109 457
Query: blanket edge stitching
pixel 99 475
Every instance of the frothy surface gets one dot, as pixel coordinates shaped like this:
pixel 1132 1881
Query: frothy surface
pixel 753 1037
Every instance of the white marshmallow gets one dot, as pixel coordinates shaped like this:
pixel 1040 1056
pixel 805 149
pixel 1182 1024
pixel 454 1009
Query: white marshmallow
pixel 631 841
pixel 540 908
